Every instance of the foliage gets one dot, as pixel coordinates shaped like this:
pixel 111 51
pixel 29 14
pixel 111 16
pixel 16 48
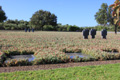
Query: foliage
pixel 101 27
pixel 8 53
pixel 14 62
pixel 1 26
pixel 72 28
pixel 21 25
pixel 2 15
pixel 110 19
pixel 41 18
pixel 10 26
pixel 2 58
pixel 68 27
pixel 14 25
pixel 103 16
pixel 48 28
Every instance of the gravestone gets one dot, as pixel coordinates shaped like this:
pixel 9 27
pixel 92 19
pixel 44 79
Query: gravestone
pixel 32 30
pixel 25 29
pixel 104 33
pixel 85 33
pixel 29 29
pixel 93 33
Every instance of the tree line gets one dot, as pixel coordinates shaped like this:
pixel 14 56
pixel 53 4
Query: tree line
pixel 21 25
pixel 40 20
pixel 47 21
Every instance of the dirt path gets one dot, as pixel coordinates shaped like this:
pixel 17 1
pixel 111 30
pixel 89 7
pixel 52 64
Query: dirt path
pixel 55 66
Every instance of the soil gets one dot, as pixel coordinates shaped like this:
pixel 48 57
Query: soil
pixel 55 66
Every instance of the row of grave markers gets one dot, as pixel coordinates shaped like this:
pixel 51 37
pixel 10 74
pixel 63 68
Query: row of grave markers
pixel 93 33
pixel 85 33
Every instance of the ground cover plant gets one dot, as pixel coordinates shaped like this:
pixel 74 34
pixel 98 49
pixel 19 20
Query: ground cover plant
pixel 2 55
pixel 50 47
pixel 102 72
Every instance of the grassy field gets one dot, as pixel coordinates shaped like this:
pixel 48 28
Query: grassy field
pixel 50 47
pixel 103 72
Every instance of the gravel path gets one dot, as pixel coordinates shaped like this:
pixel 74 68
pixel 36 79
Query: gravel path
pixel 55 66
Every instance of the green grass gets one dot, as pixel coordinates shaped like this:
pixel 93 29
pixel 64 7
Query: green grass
pixel 102 72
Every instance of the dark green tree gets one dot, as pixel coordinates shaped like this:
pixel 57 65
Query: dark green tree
pixel 102 15
pixel 2 15
pixel 41 18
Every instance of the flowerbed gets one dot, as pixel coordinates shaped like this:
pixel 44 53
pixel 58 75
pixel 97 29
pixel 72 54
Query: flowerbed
pixel 50 47
pixel 2 58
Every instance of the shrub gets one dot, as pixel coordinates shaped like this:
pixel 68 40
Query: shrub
pixel 15 62
pixel 22 26
pixel 1 26
pixel 9 53
pixel 48 28
pixel 9 26
pixel 2 58
pixel 72 28
pixel 73 50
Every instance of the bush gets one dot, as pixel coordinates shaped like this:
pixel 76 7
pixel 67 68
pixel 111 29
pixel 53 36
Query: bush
pixel 72 28
pixel 9 26
pixel 48 28
pixel 2 58
pixel 99 28
pixel 9 53
pixel 81 29
pixel 22 26
pixel 15 62
pixel 1 26
pixel 50 60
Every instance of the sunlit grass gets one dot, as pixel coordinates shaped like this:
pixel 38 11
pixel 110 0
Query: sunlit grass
pixel 103 72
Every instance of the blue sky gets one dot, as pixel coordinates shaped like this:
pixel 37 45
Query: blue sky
pixel 73 12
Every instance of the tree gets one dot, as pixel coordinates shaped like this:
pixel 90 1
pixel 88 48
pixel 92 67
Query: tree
pixel 102 15
pixel 41 18
pixel 110 19
pixel 2 15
